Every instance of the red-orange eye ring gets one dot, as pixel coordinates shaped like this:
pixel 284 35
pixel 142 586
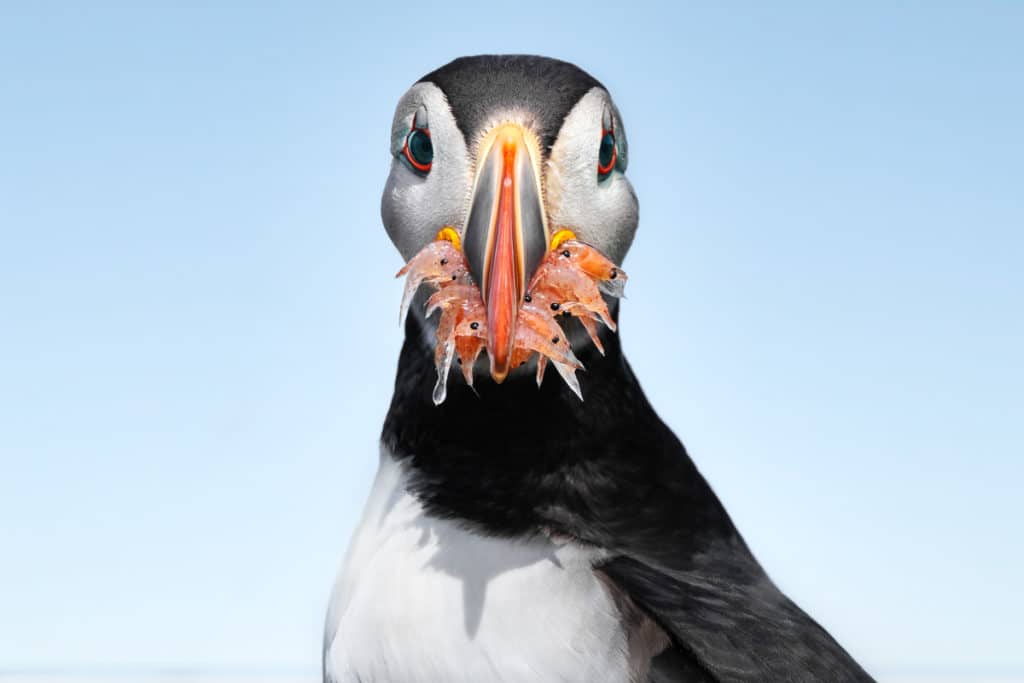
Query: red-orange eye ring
pixel 419 149
pixel 607 153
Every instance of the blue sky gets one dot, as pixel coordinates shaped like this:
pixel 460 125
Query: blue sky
pixel 198 317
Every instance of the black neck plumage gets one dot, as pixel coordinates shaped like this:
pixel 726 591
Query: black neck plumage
pixel 516 458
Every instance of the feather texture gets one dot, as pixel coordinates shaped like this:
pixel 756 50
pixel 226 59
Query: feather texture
pixel 518 459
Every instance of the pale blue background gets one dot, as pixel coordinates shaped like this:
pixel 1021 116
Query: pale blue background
pixel 198 322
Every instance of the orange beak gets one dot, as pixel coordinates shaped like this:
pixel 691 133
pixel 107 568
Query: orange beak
pixel 506 233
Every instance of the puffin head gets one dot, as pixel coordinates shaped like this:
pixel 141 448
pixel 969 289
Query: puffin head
pixel 507 150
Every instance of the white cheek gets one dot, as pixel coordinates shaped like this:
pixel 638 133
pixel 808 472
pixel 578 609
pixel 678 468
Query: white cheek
pixel 602 212
pixel 400 211
pixel 414 207
pixel 616 215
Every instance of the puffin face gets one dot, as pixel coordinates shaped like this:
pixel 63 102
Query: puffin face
pixel 508 150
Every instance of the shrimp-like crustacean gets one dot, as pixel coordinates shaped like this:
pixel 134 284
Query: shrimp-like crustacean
pixel 569 281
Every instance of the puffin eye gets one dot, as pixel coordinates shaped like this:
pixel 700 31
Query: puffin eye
pixel 606 154
pixel 419 150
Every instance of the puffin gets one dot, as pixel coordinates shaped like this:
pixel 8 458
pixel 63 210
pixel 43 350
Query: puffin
pixel 523 529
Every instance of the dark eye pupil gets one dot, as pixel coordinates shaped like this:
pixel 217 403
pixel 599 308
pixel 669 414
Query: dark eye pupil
pixel 606 153
pixel 420 147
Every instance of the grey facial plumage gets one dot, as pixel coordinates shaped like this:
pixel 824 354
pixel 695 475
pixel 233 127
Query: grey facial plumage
pixel 563 106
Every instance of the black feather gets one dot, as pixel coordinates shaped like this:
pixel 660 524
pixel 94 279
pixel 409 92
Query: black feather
pixel 521 460
pixel 477 87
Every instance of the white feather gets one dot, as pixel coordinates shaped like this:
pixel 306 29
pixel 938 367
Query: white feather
pixel 425 599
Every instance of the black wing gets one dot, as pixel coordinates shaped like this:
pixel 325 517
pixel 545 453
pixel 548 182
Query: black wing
pixel 610 473
pixel 677 555
pixel 732 623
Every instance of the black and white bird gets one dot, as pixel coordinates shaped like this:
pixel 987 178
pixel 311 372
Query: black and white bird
pixel 514 532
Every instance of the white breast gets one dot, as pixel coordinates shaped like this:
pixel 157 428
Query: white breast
pixel 424 599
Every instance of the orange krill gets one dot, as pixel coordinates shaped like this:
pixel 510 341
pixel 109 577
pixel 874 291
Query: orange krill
pixel 569 281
